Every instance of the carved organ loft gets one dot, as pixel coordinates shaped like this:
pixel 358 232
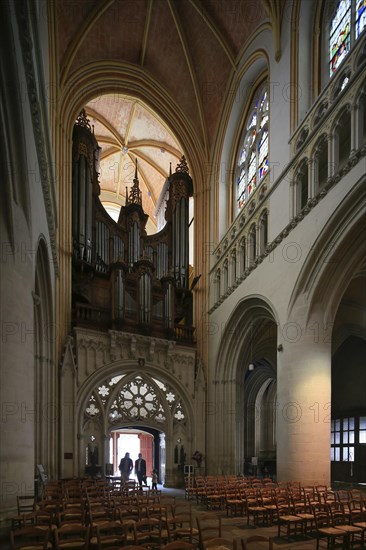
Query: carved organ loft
pixel 124 279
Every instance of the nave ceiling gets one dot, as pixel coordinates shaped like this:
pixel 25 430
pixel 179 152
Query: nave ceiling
pixel 190 48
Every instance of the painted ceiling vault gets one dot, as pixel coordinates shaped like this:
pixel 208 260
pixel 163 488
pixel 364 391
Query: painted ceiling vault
pixel 128 131
pixel 191 51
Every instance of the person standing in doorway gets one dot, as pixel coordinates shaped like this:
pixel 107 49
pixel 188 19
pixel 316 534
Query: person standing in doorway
pixel 154 479
pixel 126 467
pixel 140 470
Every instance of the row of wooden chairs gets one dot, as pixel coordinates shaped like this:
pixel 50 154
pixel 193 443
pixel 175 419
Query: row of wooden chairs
pixel 148 532
pixel 84 508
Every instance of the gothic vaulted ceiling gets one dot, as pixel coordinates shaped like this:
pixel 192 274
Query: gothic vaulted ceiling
pixel 190 48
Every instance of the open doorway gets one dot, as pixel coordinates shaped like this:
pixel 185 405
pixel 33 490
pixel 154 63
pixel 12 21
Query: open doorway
pixel 147 441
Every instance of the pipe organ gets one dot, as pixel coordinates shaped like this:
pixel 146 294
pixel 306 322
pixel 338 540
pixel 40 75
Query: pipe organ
pixel 124 279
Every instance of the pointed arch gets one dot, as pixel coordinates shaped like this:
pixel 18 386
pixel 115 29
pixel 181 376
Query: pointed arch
pixel 46 404
pixel 336 257
pixel 118 396
pixel 250 336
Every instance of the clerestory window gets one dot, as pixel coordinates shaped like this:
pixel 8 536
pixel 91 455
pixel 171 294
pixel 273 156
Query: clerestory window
pixel 347 24
pixel 252 162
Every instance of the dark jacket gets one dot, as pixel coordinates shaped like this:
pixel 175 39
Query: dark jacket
pixel 123 466
pixel 142 466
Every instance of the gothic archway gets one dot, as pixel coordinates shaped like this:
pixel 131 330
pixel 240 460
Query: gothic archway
pixel 116 379
pixel 245 369
pixel 147 398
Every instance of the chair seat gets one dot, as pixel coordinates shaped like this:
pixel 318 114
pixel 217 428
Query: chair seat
pixel 185 531
pixel 290 518
pixel 72 544
pixel 350 528
pixel 331 531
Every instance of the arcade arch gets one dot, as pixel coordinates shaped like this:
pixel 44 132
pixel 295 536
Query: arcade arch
pixel 144 400
pixel 244 388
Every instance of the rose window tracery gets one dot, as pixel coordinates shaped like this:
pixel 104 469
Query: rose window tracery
pixel 139 399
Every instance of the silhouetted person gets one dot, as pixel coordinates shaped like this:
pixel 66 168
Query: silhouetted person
pixel 140 470
pixel 126 467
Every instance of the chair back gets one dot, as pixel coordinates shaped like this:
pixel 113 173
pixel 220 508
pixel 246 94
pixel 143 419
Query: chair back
pixel 34 537
pixel 209 527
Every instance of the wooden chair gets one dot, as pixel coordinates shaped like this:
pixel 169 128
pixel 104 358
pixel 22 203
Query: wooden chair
pixel 25 506
pixel 51 505
pixel 30 538
pixel 234 502
pixel 358 519
pixel 72 537
pixel 338 518
pixel 287 518
pixel 129 528
pixel 99 514
pixel 169 503
pixel 178 545
pixel 302 511
pixel 71 515
pixel 218 543
pixel 44 520
pixel 182 524
pixel 148 532
pixel 251 543
pixel 209 527
pixel 325 532
pixel 257 511
pixel 110 535
pixel 126 512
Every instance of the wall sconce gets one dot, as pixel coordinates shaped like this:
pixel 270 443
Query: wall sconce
pixel 251 367
pixel 280 347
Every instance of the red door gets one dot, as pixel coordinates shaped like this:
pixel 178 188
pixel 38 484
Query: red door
pixel 146 448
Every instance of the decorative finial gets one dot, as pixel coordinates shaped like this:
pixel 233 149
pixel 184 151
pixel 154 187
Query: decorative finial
pixel 82 120
pixel 182 166
pixel 135 194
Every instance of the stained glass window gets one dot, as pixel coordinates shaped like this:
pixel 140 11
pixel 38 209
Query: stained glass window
pixel 340 37
pixel 360 16
pixel 253 156
pixel 348 23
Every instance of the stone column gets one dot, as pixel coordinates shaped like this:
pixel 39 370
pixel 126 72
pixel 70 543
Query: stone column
pixel 304 403
pixel 105 458
pixel 311 178
pixel 225 445
pixel 162 457
pixel 294 197
pixel 356 137
pixel 332 154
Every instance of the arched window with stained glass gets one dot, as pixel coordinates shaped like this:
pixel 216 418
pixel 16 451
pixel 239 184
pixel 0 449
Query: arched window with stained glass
pixel 347 23
pixel 252 164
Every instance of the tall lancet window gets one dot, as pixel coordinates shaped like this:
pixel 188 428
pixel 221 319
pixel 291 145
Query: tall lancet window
pixel 252 163
pixel 347 22
pixel 360 17
pixel 340 35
